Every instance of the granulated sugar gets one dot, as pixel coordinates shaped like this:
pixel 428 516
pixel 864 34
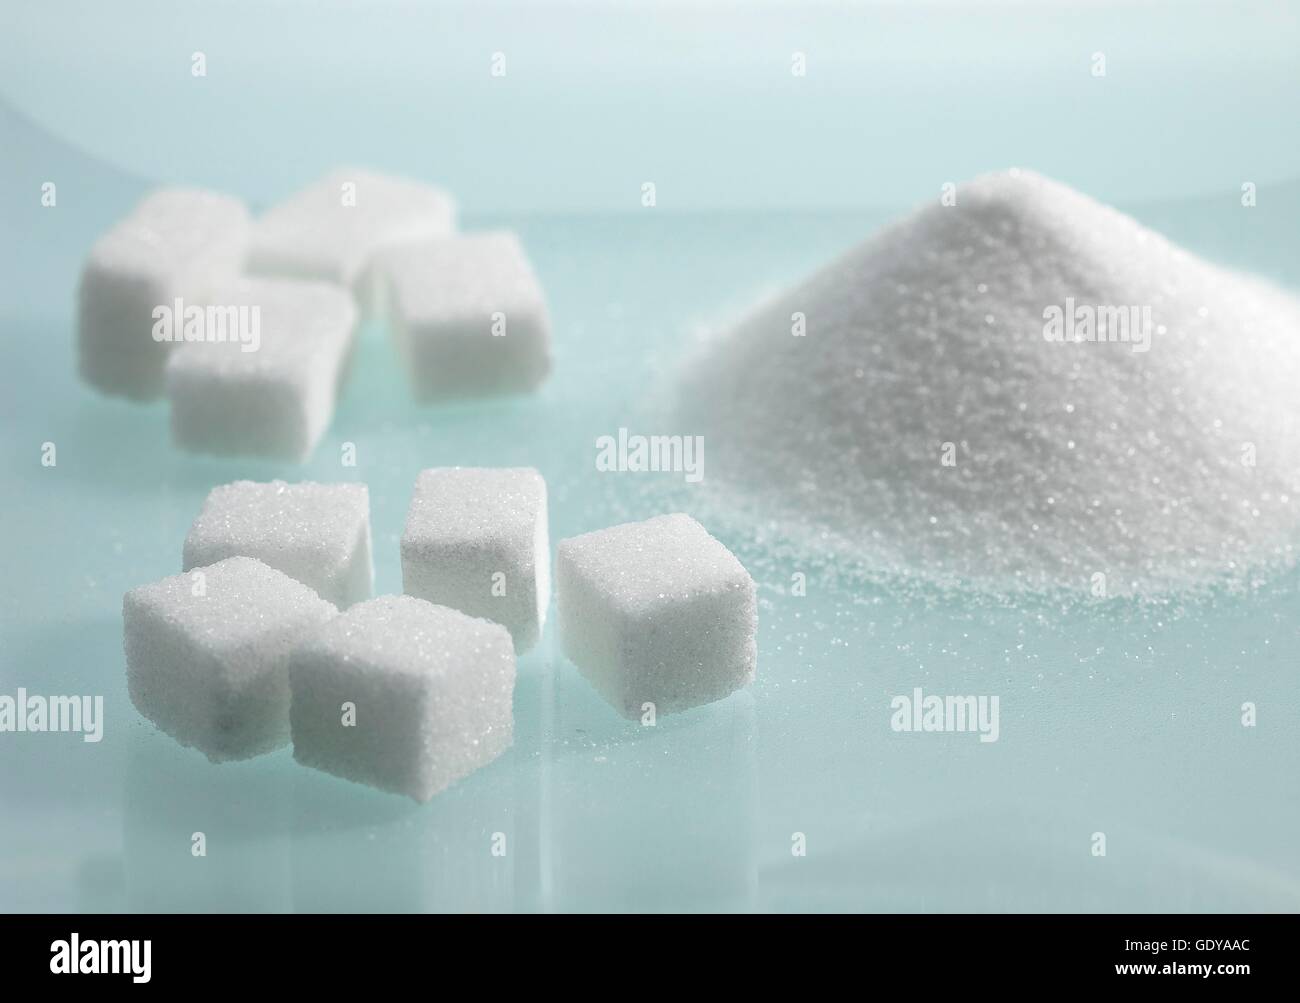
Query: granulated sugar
pixel 925 425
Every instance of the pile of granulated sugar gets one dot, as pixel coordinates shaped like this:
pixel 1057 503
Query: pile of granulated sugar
pixel 925 425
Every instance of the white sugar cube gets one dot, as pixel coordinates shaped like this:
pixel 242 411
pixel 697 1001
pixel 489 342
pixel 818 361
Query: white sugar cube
pixel 469 316
pixel 476 540
pixel 656 612
pixel 270 392
pixel 207 654
pixel 334 228
pixel 403 695
pixel 177 244
pixel 318 534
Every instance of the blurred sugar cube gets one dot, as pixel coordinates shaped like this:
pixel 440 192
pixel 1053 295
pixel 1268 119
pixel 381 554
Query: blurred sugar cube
pixel 272 391
pixel 469 316
pixel 177 244
pixel 334 228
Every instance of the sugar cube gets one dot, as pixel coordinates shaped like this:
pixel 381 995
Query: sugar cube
pixel 207 654
pixel 469 316
pixel 175 246
pixel 316 533
pixel 403 695
pixel 656 612
pixel 334 228
pixel 272 391
pixel 476 540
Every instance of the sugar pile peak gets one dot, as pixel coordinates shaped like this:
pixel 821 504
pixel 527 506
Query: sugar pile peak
pixel 1023 390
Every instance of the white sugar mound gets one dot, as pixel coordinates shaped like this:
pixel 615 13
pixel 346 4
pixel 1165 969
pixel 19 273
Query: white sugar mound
pixel 926 426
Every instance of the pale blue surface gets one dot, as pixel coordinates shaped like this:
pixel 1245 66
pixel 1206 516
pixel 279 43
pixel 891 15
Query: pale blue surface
pixel 1123 721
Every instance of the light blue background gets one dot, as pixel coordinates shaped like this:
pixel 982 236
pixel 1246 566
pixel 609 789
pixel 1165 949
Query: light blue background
pixel 1113 719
